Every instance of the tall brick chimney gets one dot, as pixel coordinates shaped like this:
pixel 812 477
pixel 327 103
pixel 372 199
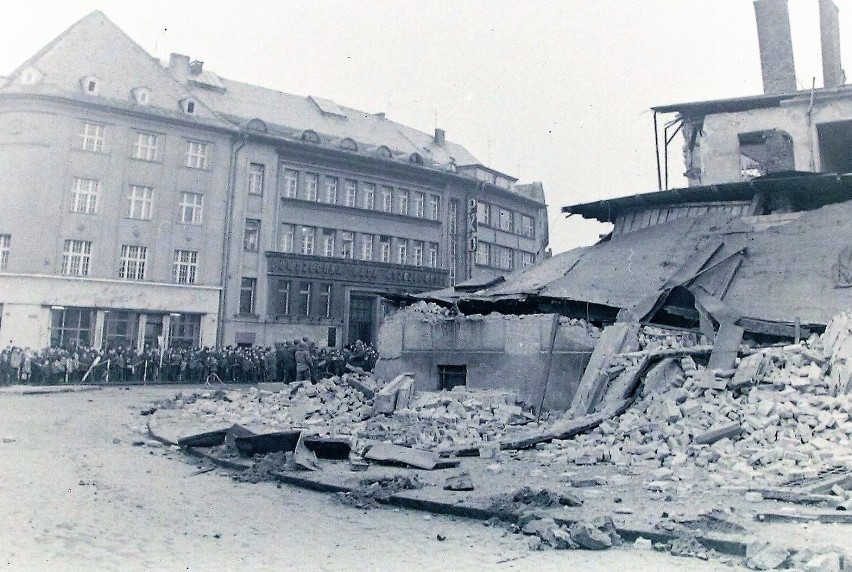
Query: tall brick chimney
pixel 776 46
pixel 829 31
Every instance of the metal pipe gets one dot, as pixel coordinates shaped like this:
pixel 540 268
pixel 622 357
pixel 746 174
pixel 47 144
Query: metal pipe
pixel 657 150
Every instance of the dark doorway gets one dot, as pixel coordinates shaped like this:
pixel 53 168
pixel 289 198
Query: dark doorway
pixel 361 319
pixel 835 140
pixel 451 376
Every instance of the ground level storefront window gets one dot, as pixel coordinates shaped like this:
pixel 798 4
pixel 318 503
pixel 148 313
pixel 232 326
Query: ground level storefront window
pixel 71 327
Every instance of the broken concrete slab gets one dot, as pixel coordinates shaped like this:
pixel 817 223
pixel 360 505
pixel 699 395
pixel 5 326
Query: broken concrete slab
pixel 267 442
pixel 460 482
pixel 614 339
pixel 589 537
pixel 762 555
pixel 388 453
pixel 729 431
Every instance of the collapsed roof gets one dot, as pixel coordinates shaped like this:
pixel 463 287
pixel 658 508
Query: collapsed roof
pixel 765 273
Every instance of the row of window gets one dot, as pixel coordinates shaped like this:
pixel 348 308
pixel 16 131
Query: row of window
pixel 132 262
pixel 357 194
pixel 147 146
pixel 502 257
pixel 311 299
pixel 5 248
pixel 311 240
pixel 75 326
pixel 85 199
pixel 504 219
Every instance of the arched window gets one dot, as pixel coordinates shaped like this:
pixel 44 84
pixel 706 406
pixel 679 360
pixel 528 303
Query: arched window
pixel 91 85
pixel 349 144
pixel 416 158
pixel 257 125
pixel 384 151
pixel 310 136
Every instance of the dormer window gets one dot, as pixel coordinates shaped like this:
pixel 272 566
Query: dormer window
pixel 384 151
pixel 142 95
pixel 416 158
pixel 91 85
pixel 189 106
pixel 349 144
pixel 310 136
pixel 30 76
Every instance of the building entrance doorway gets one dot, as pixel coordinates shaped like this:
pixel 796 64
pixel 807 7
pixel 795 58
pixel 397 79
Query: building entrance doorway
pixel 361 318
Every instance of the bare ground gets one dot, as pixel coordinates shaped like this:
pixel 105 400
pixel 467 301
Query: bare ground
pixel 77 494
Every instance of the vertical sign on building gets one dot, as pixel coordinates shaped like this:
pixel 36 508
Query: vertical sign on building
pixel 472 225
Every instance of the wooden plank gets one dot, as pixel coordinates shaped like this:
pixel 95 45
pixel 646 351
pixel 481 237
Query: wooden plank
pixel 389 453
pixel 825 484
pixel 612 341
pixel 824 517
pixel 718 433
pixel 788 495
pixel 727 346
pixel 772 328
pixel 625 384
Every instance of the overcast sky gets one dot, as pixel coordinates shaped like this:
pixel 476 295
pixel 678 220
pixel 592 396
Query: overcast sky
pixel 552 91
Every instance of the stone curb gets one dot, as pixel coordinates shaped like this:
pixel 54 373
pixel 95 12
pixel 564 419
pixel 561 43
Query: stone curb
pixel 59 390
pixel 722 546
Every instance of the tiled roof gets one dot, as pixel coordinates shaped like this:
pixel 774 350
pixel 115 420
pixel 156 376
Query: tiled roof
pixel 298 113
pixel 95 47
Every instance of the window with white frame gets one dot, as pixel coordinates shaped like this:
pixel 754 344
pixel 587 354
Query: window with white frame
pixel 307 240
pixel 147 146
pixel 527 259
pixel 387 199
pixel 325 299
pixel 140 202
pixel 352 192
pixel 330 194
pixel 348 246
pixel 305 294
pixel 84 194
pixel 185 268
pixel 76 257
pixel 251 238
pixel 482 253
pixel 385 249
pixel 506 222
pixel 256 174
pixel 527 226
pixel 288 236
pixel 402 251
pixel 433 255
pixel 328 242
pixel 311 186
pixel 196 154
pixel 131 264
pixel 453 217
pixel 419 205
pixel 248 288
pixel 191 208
pixel 403 202
pixel 366 247
pixel 280 303
pixel 5 249
pixel 502 257
pixel 434 207
pixel 417 253
pixel 483 213
pixel 92 137
pixel 369 196
pixel 291 183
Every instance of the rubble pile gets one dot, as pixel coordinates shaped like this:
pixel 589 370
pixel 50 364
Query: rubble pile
pixel 452 420
pixel 431 312
pixel 331 406
pixel 783 414
pixel 652 338
pixel 433 421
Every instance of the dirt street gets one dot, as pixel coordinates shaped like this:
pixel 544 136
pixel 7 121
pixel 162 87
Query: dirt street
pixel 77 494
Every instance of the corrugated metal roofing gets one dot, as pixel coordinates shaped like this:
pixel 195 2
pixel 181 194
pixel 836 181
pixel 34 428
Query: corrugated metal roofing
pixel 787 269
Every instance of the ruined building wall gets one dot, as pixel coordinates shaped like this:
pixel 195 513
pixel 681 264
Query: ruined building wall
pixel 499 351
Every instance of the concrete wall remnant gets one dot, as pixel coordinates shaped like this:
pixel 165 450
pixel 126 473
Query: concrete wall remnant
pixel 499 352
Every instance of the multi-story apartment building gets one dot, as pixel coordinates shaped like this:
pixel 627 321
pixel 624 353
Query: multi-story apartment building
pixel 193 209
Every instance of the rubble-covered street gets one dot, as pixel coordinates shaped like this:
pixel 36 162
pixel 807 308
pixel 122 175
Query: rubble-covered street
pixel 749 465
pixel 84 488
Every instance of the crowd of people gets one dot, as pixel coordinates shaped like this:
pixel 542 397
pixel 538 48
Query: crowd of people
pixel 284 362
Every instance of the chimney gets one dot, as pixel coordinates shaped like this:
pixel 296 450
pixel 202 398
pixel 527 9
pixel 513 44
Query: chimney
pixel 179 67
pixel 195 67
pixel 829 31
pixel 440 136
pixel 776 46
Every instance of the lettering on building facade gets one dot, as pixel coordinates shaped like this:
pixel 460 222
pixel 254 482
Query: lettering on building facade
pixel 371 273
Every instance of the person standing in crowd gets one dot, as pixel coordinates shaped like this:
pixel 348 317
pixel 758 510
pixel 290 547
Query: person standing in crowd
pixel 304 362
